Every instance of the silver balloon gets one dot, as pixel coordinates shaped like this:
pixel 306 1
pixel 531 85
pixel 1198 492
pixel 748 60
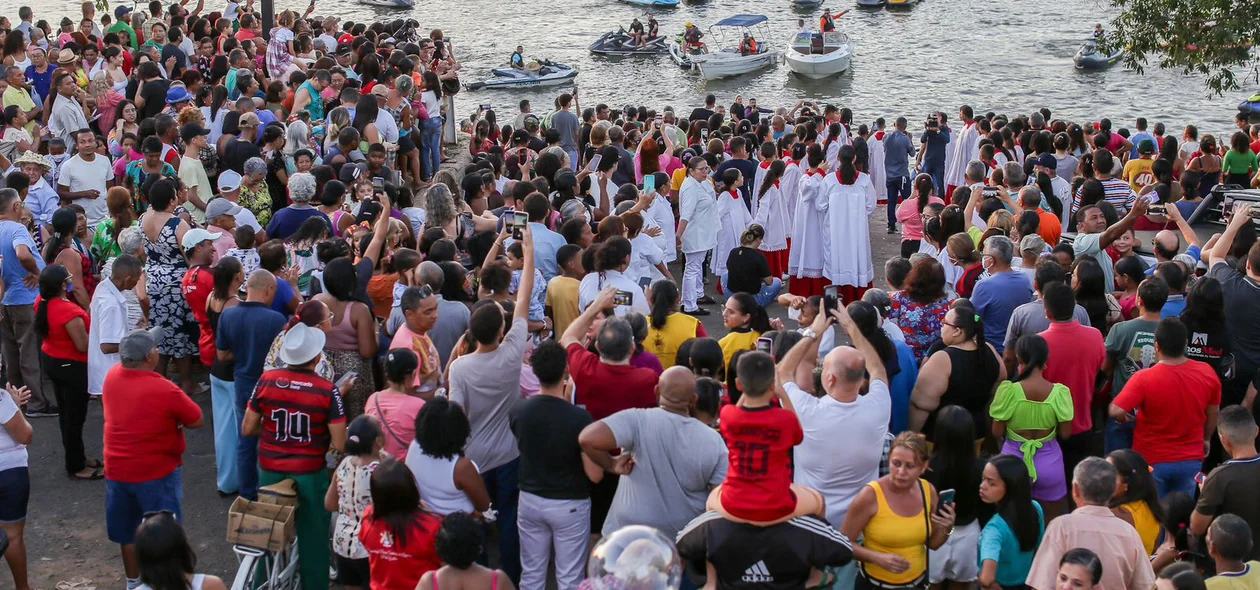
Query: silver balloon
pixel 634 558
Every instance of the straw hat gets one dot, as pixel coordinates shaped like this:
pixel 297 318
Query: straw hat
pixel 33 158
pixel 66 57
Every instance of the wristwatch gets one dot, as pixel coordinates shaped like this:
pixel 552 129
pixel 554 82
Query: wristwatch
pixel 807 333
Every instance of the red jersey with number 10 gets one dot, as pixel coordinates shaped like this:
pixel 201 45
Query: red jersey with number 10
pixel 296 409
pixel 758 484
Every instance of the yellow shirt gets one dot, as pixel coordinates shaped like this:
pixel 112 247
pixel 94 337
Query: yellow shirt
pixel 1248 579
pixel 735 342
pixel 21 98
pixel 907 536
pixel 1145 523
pixel 664 343
pixel 562 298
pixel 1138 173
pixel 676 181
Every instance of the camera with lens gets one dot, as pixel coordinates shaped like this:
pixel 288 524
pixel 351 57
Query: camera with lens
pixel 933 121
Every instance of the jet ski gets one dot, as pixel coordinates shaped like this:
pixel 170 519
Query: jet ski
pixel 1089 58
pixel 544 73
pixel 1251 106
pixel 619 42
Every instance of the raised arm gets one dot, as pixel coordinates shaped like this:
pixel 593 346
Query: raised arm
pixel 1114 232
pixel 1187 232
pixel 1242 214
pixel 806 348
pixel 526 287
pixel 379 232
pixel 874 366
pixel 577 329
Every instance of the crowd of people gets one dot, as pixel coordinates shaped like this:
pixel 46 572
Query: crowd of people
pixel 199 213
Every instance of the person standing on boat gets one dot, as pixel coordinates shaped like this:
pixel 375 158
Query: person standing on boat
pixel 517 61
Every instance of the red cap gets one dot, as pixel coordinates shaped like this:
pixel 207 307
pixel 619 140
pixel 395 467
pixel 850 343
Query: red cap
pixel 345 38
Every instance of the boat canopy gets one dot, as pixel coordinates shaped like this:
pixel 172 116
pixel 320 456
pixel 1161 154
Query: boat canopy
pixel 741 20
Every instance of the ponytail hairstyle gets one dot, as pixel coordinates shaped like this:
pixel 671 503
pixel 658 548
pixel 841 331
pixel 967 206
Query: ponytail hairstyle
pixel 1032 351
pixel 52 284
pixel 815 155
pixel 729 178
pixel 773 174
pixel 65 222
pixel 833 132
pixel 664 298
pixel 612 253
pixel 923 189
pixel 362 434
pixel 869 322
pixel 848 169
pixel 706 358
pixel 1047 190
pixel 798 151
pixel 757 318
pixel 846 117
pixel 752 234
pixel 1135 472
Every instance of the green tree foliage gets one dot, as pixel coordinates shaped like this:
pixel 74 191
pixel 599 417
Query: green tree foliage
pixel 1212 38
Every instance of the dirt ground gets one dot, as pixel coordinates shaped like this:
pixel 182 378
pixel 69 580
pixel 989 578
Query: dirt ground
pixel 65 529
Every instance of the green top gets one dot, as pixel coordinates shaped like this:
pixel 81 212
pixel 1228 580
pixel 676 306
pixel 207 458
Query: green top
pixel 1239 163
pixel 1020 413
pixel 122 27
pixel 104 246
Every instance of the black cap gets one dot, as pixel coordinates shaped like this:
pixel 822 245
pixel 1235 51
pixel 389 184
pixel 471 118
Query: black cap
pixel 191 130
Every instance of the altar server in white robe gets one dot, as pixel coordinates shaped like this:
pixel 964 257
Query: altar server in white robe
pixel 848 204
pixel 809 229
pixel 772 216
pixel 733 218
pixel 875 147
pixel 962 149
pixel 790 184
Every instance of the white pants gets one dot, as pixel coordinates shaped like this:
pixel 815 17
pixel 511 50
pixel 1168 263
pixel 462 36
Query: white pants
pixel 956 560
pixel 544 524
pixel 693 280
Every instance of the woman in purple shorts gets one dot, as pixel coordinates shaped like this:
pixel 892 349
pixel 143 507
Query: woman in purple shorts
pixel 1031 414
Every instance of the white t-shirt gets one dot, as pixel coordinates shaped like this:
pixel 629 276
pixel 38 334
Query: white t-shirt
pixel 329 41
pixel 593 283
pixel 109 325
pixel 78 175
pixel 858 427
pixel 12 454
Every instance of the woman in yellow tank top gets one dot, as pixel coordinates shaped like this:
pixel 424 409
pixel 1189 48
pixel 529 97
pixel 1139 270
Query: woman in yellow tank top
pixel 667 327
pixel 746 321
pixel 898 520
pixel 1136 500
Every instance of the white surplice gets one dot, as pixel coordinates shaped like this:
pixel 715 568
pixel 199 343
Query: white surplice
pixel 733 219
pixel 808 229
pixel 964 148
pixel 772 216
pixel 879 173
pixel 763 168
pixel 847 207
pixel 790 184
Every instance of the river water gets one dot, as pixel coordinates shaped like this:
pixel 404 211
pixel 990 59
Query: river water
pixel 1005 57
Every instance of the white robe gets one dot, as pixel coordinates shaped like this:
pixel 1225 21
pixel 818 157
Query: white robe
pixel 808 230
pixel 772 216
pixel 733 219
pixel 964 148
pixel 833 153
pixel 879 172
pixel 763 168
pixel 790 184
pixel 847 207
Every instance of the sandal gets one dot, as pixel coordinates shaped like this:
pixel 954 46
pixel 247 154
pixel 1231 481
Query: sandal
pixel 828 580
pixel 94 463
pixel 97 473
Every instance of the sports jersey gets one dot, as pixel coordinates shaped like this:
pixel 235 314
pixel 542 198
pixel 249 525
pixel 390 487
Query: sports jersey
pixel 758 482
pixel 296 408
pixel 766 558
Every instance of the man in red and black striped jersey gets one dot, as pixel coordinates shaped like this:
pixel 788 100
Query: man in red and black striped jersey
pixel 297 415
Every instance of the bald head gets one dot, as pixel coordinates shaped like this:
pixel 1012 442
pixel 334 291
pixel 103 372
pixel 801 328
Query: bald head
pixel 843 368
pixel 676 388
pixel 261 286
pixel 1167 243
pixel 431 274
pixel 1030 197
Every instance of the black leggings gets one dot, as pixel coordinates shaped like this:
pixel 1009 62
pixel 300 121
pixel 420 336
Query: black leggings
pixel 909 247
pixel 69 379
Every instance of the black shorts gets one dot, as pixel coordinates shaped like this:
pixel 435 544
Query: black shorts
pixel 406 144
pixel 353 572
pixel 15 493
pixel 601 500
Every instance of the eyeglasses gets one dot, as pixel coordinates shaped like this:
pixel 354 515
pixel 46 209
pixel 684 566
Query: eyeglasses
pixel 954 326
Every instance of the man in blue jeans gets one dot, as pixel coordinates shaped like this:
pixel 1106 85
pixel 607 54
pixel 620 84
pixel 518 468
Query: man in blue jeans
pixel 145 418
pixel 898 147
pixel 244 335
pixel 932 143
pixel 1175 403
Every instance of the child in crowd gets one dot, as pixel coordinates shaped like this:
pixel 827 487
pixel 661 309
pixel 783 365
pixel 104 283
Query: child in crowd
pixel 245 250
pixel 349 495
pixel 537 298
pixel 562 290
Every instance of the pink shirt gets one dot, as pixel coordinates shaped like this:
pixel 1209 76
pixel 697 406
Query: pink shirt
pixel 397 414
pixel 430 373
pixel 910 219
pixel 1076 354
pixel 1125 564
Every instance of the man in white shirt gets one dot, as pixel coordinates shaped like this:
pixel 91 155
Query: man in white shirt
pixel 85 177
pixel 230 189
pixel 68 114
pixel 1062 189
pixel 840 419
pixel 109 320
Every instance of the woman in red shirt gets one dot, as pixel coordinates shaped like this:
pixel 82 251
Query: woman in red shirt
pixel 399 535
pixel 63 326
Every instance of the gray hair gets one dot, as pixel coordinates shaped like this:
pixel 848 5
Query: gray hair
pixel 615 341
pixel 1031 243
pixel 302 187
pixel 1000 248
pixel 131 239
pixel 1030 196
pixel 880 299
pixel 296 137
pixel 1013 172
pixel 439 206
pixel 1095 479
pixel 976 171
pixel 255 166
pixel 1036 119
pixel 638 325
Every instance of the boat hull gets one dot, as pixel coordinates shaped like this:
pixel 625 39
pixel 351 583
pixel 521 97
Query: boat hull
pixel 684 60
pixel 390 3
pixel 654 3
pixel 818 66
pixel 725 66
pixel 614 44
pixel 550 79
pixel 870 3
pixel 1095 60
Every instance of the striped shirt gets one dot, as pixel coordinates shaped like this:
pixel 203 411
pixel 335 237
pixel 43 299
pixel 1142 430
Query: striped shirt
pixel 296 408
pixel 1115 191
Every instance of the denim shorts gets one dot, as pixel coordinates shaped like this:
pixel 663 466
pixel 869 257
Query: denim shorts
pixel 15 492
pixel 127 503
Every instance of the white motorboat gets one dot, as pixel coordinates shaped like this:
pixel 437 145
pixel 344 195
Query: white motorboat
pixel 741 51
pixel 816 55
pixel 390 3
pixel 545 73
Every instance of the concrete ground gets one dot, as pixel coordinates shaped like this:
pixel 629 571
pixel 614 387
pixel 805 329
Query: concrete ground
pixel 65 531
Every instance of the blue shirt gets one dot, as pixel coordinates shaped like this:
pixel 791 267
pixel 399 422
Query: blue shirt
pixel 1173 307
pixel 996 298
pixel 998 543
pixel 546 244
pixel 898 147
pixel 901 387
pixel 284 294
pixel 287 221
pixel 935 141
pixel 1193 251
pixel 12 235
pixel 42 83
pixel 248 338
pixel 1137 138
